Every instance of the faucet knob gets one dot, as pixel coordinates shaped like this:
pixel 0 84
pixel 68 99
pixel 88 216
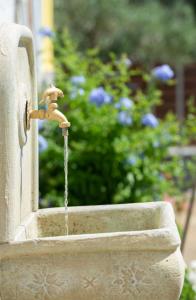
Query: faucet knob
pixel 51 94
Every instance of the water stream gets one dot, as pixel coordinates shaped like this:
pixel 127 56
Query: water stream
pixel 65 134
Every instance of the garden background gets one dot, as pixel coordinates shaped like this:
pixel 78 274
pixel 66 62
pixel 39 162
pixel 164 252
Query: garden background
pixel 116 62
pixel 119 64
pixel 127 69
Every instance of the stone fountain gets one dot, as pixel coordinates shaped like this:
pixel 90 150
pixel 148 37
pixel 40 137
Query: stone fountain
pixel 114 252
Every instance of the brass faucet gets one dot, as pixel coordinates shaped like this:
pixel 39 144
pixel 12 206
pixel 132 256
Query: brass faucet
pixel 50 97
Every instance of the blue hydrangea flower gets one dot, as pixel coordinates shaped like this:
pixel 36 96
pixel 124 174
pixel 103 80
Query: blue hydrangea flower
pixel 149 120
pixel 76 92
pixel 124 118
pixel 99 96
pixel 163 72
pixel 124 103
pixel 46 32
pixel 78 80
pixel 43 144
pixel 131 160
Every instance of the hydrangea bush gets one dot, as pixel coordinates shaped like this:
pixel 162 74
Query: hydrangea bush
pixel 118 149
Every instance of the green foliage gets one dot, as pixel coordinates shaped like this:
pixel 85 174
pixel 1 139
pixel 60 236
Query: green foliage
pixel 189 130
pixel 109 162
pixel 149 31
pixel 188 133
pixel 187 293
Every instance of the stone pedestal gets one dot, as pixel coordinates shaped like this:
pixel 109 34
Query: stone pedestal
pixel 18 148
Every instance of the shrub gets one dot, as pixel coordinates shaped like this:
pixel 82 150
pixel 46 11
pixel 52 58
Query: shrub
pixel 118 149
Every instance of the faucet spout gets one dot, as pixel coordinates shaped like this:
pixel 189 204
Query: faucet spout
pixel 50 98
pixel 52 113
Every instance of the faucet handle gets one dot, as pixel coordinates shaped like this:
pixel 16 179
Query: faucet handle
pixel 51 94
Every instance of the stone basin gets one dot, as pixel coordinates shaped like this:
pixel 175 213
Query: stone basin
pixel 128 251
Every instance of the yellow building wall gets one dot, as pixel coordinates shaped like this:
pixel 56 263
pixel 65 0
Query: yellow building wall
pixel 47 9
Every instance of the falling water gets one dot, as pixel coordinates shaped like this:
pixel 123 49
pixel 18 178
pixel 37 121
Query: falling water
pixel 65 134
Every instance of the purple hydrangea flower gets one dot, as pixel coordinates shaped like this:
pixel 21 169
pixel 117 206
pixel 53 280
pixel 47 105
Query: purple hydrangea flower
pixel 163 72
pixel 46 31
pixel 124 118
pixel 124 103
pixel 43 144
pixel 99 96
pixel 78 80
pixel 149 120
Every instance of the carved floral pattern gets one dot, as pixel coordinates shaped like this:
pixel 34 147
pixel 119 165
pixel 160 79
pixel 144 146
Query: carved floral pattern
pixel 49 282
pixel 132 279
pixel 46 285
pixel 89 282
